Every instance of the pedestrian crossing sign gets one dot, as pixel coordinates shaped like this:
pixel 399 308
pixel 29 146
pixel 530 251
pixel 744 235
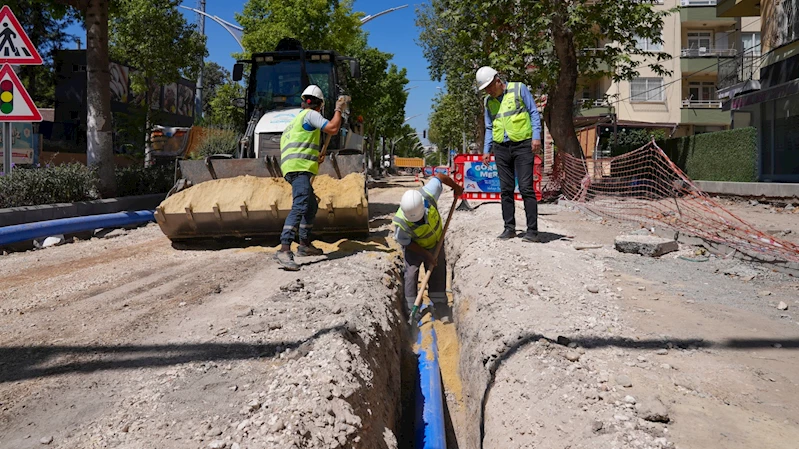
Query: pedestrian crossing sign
pixel 16 104
pixel 15 46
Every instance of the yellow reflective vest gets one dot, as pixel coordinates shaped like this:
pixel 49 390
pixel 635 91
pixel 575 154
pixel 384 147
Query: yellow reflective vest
pixel 299 148
pixel 510 116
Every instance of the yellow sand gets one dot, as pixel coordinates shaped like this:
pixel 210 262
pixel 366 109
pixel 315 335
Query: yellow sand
pixel 257 193
pixel 448 351
pixel 375 245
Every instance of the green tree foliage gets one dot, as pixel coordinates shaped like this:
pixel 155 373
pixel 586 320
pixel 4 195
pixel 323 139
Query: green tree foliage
pixel 143 39
pixel 318 24
pixel 628 139
pixel 154 37
pixel 221 111
pixel 46 29
pixel 546 44
pixel 159 57
pixel 446 122
pixel 407 144
pixel 214 75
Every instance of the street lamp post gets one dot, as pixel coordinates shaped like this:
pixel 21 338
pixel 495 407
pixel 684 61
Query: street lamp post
pixel 374 16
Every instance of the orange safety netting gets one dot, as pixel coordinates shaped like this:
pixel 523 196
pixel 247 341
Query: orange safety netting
pixel 645 186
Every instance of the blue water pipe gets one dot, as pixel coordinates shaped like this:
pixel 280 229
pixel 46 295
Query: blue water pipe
pixel 30 231
pixel 430 431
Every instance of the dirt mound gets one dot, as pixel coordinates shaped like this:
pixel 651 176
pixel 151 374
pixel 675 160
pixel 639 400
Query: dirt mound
pixel 262 193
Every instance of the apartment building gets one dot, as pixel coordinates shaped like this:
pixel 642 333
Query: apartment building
pixel 687 101
pixel 770 102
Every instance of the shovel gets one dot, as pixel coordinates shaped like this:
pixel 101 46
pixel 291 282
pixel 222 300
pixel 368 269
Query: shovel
pixel 428 272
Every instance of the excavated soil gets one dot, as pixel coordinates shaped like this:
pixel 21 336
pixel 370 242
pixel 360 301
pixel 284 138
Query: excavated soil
pixel 569 343
pixel 262 193
pixel 126 342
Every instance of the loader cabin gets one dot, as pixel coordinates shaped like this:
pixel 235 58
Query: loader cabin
pixel 278 78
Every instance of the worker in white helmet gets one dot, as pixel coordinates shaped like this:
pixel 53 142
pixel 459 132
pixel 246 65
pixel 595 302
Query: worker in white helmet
pixel 299 162
pixel 418 228
pixel 513 132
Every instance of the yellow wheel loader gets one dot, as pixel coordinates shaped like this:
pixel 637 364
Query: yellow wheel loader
pixel 245 195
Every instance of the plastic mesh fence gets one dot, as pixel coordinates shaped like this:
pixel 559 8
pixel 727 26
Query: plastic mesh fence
pixel 645 186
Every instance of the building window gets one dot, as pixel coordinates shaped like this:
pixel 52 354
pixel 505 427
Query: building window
pixel 702 91
pixel 646 89
pixel 646 44
pixel 701 41
pixel 750 43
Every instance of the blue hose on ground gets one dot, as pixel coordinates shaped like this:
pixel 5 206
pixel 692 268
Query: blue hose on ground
pixel 30 231
pixel 430 431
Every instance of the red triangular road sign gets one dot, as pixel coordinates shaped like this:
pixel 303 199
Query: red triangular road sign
pixel 15 103
pixel 15 47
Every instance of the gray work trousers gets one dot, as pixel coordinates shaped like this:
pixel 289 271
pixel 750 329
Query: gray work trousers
pixel 437 287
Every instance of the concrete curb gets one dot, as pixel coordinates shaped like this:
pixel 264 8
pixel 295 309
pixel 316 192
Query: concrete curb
pixel 750 189
pixel 33 214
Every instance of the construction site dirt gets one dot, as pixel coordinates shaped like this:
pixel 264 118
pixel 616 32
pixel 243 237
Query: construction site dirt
pixel 127 342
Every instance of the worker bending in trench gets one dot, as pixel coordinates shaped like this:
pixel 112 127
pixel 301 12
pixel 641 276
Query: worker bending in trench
pixel 418 228
pixel 299 161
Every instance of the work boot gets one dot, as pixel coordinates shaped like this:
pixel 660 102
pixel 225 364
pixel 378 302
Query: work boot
pixel 307 249
pixel 286 260
pixel 531 237
pixel 442 312
pixel 507 234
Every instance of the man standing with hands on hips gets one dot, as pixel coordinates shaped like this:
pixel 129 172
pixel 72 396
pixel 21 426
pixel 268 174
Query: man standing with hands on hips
pixel 513 132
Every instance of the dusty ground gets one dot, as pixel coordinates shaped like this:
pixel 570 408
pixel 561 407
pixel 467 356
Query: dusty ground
pixel 666 353
pixel 127 342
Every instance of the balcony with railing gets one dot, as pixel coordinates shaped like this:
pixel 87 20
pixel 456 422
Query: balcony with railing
pixel 589 107
pixel 701 104
pixel 703 112
pixel 697 2
pixel 704 52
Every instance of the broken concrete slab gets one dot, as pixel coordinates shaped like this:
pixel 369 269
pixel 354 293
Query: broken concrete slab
pixel 645 245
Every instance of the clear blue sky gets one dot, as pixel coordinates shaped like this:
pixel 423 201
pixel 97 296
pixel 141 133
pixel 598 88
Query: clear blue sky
pixel 394 33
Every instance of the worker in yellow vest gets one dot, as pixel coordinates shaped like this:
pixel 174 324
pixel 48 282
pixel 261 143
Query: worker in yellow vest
pixel 513 132
pixel 299 162
pixel 418 228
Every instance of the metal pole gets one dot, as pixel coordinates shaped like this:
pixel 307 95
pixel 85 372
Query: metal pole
pixel 7 148
pixel 198 98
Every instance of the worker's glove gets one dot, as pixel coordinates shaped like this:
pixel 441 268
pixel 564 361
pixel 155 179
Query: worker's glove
pixel 343 105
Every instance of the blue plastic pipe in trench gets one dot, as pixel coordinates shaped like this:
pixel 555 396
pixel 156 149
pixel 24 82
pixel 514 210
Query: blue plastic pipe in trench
pixel 30 231
pixel 430 432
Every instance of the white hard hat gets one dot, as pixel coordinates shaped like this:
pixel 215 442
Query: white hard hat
pixel 313 91
pixel 412 205
pixel 484 77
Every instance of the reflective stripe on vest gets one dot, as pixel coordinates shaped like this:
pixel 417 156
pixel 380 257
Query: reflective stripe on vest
pixel 427 234
pixel 299 148
pixel 509 117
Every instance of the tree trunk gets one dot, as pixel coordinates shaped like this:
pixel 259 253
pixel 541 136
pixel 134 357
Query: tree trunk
pixel 99 144
pixel 561 97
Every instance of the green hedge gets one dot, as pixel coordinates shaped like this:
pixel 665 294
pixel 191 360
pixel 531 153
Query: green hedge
pixel 76 182
pixel 721 156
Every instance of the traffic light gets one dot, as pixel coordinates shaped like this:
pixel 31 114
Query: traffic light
pixel 424 134
pixel 6 97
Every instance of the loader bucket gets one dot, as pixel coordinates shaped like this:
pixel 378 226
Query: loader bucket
pixel 249 198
